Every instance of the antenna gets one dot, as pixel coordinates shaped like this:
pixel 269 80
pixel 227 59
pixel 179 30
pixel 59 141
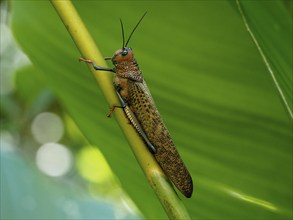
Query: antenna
pixel 123 39
pixel 132 30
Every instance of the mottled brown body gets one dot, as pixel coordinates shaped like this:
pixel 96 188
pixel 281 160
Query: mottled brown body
pixel 143 114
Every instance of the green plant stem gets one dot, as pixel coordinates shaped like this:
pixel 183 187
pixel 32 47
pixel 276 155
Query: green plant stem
pixel 158 181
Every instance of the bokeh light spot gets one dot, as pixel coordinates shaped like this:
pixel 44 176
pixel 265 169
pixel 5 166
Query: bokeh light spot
pixel 54 159
pixel 47 127
pixel 8 141
pixel 92 165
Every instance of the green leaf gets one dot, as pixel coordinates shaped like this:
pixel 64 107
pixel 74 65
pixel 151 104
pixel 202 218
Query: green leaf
pixel 209 83
pixel 270 27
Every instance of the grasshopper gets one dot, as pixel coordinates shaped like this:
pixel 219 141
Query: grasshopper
pixel 140 109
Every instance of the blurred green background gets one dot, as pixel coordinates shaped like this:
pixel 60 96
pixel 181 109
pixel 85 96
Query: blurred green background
pixel 209 82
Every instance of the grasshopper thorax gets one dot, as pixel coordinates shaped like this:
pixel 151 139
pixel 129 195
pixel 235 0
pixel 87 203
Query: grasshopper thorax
pixel 126 65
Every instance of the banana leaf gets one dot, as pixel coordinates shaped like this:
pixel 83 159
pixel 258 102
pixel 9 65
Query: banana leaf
pixel 211 87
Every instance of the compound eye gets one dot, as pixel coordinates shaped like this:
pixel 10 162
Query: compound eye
pixel 124 52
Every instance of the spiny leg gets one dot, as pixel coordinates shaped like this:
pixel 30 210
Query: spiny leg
pixel 133 120
pixel 136 124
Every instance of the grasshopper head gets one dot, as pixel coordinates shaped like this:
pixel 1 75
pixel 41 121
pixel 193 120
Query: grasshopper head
pixel 123 55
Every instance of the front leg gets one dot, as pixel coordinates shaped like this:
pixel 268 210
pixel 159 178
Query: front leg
pixel 97 67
